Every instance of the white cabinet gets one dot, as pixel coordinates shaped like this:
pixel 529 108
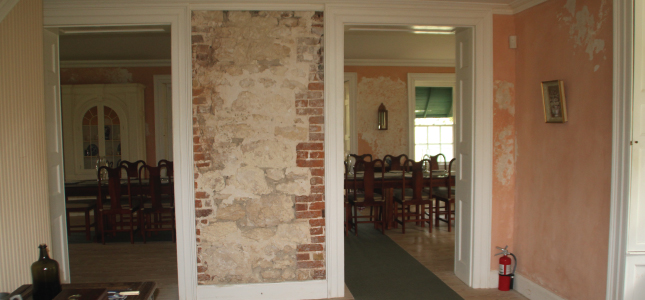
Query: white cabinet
pixel 104 120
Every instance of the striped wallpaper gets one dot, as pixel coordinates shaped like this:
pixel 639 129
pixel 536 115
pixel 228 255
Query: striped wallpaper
pixel 24 209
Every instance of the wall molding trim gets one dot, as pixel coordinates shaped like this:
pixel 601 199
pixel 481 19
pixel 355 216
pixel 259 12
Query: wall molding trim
pixel 292 290
pixel 5 7
pixel 115 63
pixel 401 62
pixel 533 290
pixel 623 45
pixel 521 5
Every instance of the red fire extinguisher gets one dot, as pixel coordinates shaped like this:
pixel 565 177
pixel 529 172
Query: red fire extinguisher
pixel 506 276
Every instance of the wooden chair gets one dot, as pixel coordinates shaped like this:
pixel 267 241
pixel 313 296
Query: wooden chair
pixel 108 211
pixel 412 194
pixel 359 158
pixel 132 178
pixel 158 215
pixel 168 167
pixel 86 206
pixel 370 199
pixel 445 195
pixel 395 163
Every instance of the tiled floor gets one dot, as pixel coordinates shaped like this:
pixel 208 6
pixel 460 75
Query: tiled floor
pixel 156 261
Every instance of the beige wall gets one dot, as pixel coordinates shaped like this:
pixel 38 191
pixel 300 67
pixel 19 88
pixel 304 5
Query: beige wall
pixel 24 209
pixel 259 157
pixel 561 226
pixel 387 85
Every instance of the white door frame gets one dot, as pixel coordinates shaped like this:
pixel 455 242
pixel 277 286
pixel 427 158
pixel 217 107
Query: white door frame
pixel 69 14
pixel 623 15
pixel 430 80
pixel 336 16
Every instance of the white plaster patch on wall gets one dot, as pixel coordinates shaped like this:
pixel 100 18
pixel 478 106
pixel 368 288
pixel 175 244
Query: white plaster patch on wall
pixel 392 93
pixel 251 74
pixel 504 153
pixel 583 27
pixel 504 91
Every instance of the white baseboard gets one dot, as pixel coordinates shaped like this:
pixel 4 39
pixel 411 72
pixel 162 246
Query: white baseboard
pixel 527 288
pixel 533 290
pixel 493 279
pixel 294 290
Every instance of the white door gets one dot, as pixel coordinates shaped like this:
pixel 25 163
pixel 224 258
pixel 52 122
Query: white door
pixel 55 172
pixel 635 259
pixel 163 117
pixel 464 120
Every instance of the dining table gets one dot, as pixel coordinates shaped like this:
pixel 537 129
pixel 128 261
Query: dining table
pixel 82 196
pixel 394 179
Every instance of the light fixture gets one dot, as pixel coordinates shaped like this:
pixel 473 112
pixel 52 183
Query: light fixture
pixel 382 117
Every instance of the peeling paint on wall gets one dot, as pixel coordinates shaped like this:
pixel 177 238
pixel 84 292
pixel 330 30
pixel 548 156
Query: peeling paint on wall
pixel 583 26
pixel 504 96
pixel 393 94
pixel 504 153
pixel 258 136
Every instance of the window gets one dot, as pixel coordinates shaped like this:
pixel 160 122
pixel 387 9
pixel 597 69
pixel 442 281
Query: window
pixel 433 136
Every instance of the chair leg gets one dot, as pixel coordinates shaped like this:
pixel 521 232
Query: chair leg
pixel 102 228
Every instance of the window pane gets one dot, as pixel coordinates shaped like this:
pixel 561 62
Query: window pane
pixel 434 135
pixel 434 149
pixel 421 135
pixel 446 149
pixel 446 134
pixel 419 151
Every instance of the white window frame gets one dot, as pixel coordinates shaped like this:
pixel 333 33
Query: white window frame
pixel 427 80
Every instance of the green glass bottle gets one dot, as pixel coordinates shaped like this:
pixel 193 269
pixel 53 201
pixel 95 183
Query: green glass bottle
pixel 45 276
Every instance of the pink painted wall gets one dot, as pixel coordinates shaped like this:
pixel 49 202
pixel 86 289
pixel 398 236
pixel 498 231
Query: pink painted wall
pixel 504 135
pixel 561 225
pixel 142 75
pixel 387 85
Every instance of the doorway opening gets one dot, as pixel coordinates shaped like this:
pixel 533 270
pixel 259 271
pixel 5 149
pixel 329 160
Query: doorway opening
pixel 392 65
pixel 116 97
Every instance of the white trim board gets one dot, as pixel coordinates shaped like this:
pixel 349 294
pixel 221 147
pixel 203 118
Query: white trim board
pixel 336 16
pixel 60 14
pixel 533 290
pixel 114 63
pixel 293 290
pixel 623 16
pixel 401 62
pixel 424 79
pixel 5 7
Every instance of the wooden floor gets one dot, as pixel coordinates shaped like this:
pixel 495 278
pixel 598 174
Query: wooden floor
pixel 157 261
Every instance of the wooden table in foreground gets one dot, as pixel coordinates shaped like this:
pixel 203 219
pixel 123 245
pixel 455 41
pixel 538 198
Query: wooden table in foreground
pixel 146 289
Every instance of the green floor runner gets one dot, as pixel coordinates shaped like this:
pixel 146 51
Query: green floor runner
pixel 377 268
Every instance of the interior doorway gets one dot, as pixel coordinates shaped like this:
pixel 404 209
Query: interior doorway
pixel 389 62
pixel 116 79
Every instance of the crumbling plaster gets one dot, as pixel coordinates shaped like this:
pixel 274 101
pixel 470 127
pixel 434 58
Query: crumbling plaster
pixel 257 96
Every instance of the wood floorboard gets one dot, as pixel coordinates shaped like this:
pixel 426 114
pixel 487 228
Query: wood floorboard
pixel 157 261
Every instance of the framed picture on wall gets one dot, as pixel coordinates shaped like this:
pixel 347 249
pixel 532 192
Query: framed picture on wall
pixel 555 108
